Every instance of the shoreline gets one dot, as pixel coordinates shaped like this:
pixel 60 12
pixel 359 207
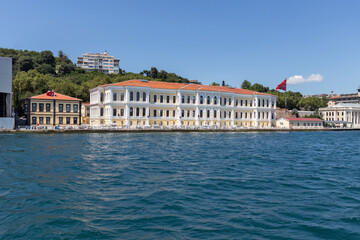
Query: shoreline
pixel 49 131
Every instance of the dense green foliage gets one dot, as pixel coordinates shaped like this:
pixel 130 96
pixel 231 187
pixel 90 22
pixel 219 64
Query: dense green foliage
pixel 37 72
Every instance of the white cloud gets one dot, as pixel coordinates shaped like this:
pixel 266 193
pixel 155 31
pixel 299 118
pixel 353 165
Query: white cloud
pixel 298 79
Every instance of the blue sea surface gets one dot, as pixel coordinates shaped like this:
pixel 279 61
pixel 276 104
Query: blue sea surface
pixel 282 185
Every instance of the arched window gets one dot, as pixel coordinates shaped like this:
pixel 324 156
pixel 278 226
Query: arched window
pixel 236 102
pixel 155 98
pixel 263 102
pixel 208 113
pixel 241 115
pixel 161 98
pixel 201 113
pixel 258 114
pixel 137 96
pixel 215 114
pixel 131 96
pixel 236 115
pixel 229 114
pixel 229 101
pixel 267 103
pixel 188 99
pixel 131 112
pixel 101 97
pixel 182 99
pixel 225 113
pixel 208 100
pixel 241 102
pixel 193 113
pixel 250 103
pixel 144 112
pixel 215 100
pixel 225 101
pixel 246 115
pixel 194 100
pixel 101 112
pixel 201 99
pixel 188 113
pixel 155 113
pixel 144 96
pixel 137 112
pixel 259 102
pixel 167 99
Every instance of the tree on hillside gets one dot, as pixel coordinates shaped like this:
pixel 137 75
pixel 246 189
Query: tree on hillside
pixel 215 84
pixel 246 84
pixel 163 75
pixel 25 63
pixel 154 72
pixel 47 57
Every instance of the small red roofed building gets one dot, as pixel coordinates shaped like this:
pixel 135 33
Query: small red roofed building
pixel 52 109
pixel 295 123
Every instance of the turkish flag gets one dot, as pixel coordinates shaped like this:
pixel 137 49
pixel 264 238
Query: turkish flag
pixel 282 85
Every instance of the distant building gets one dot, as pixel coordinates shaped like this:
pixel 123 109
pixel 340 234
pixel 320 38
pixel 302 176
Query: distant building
pixel 345 98
pixel 305 113
pixel 101 62
pixel 85 113
pixel 299 123
pixel 52 109
pixel 342 115
pixel 6 115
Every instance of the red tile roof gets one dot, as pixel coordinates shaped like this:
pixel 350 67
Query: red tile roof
pixel 305 119
pixel 167 85
pixel 57 96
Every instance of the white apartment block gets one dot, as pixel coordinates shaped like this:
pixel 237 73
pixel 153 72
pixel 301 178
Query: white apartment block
pixel 102 62
pixel 6 115
pixel 149 103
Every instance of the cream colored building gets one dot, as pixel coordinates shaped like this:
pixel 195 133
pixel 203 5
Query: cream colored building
pixel 297 123
pixel 149 103
pixel 102 62
pixel 342 115
pixel 57 110
pixel 85 113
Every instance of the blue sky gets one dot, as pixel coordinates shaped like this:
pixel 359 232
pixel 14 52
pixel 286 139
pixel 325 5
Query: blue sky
pixel 261 41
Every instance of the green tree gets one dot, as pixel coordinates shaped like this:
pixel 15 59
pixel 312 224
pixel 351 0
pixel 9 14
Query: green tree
pixel 163 75
pixel 154 72
pixel 246 84
pixel 25 63
pixel 215 84
pixel 47 57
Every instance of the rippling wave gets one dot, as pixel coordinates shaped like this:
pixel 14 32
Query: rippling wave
pixel 293 185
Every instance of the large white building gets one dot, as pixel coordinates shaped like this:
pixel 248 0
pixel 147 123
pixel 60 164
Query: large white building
pixel 149 103
pixel 102 62
pixel 6 115
pixel 342 115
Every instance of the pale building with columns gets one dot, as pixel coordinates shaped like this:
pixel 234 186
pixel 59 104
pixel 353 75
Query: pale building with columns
pixel 150 103
pixel 342 115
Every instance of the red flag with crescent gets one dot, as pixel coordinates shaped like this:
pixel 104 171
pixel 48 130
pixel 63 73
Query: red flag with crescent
pixel 282 86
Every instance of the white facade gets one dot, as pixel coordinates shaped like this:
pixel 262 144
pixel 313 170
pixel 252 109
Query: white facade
pixel 102 62
pixel 6 115
pixel 131 106
pixel 342 114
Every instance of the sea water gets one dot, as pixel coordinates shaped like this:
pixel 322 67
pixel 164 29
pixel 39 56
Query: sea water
pixel 294 185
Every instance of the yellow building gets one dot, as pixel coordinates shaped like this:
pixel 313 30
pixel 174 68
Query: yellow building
pixel 150 103
pixel 85 113
pixel 299 123
pixel 52 109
